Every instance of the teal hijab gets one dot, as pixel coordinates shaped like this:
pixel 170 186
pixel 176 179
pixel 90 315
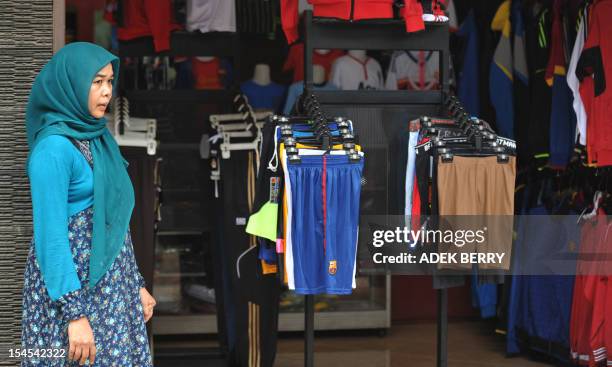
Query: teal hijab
pixel 58 105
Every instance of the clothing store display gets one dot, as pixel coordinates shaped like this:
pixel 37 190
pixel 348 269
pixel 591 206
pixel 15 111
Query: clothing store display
pixel 413 70
pixel 295 61
pixel 211 16
pixel 269 206
pixel 350 73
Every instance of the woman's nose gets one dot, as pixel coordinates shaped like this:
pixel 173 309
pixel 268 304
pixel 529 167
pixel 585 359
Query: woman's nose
pixel 106 91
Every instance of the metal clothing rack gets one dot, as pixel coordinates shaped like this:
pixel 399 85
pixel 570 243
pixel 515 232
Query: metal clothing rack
pixel 325 33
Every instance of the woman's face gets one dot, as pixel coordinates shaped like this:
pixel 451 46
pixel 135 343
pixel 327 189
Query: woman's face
pixel 101 91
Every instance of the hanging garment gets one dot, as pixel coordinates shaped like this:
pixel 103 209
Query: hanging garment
pixel 468 88
pixel 295 61
pixel 265 97
pixel 112 307
pixel 538 40
pixel 540 306
pixel 562 119
pixel 322 202
pixel 470 187
pixel 257 16
pixel 263 221
pixel 211 16
pixel 350 73
pixel 251 296
pixel 501 78
pixel 147 18
pixel 207 74
pixel 572 79
pixel 521 81
pixel 595 72
pixel 413 139
pixel 349 10
pixel 414 70
pixel 589 313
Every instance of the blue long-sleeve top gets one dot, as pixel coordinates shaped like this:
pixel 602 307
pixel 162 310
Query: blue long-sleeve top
pixel 61 183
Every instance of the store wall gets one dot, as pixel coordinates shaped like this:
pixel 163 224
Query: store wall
pixel 26 37
pixel 413 299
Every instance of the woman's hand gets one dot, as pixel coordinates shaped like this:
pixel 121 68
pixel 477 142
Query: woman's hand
pixel 148 302
pixel 81 339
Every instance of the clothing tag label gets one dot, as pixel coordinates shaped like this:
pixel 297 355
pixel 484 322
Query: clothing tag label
pixel 506 142
pixel 274 189
pixel 240 221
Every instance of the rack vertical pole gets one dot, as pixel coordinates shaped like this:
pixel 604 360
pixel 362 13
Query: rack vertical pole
pixel 308 299
pixel 309 331
pixel 442 337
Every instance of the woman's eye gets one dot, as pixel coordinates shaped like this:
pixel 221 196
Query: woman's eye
pixel 97 81
pixel 110 81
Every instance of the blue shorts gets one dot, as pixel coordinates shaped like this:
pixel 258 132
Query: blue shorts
pixel 323 218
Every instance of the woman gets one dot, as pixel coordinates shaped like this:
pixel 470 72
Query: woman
pixel 84 300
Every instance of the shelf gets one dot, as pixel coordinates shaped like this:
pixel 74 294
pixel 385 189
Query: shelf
pixel 328 33
pixel 221 44
pixel 378 97
pixel 178 96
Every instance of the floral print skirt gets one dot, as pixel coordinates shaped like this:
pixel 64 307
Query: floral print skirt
pixel 113 307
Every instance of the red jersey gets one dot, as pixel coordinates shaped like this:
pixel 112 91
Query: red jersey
pixel 295 61
pixel 589 308
pixel 147 18
pixel 207 74
pixel 595 65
